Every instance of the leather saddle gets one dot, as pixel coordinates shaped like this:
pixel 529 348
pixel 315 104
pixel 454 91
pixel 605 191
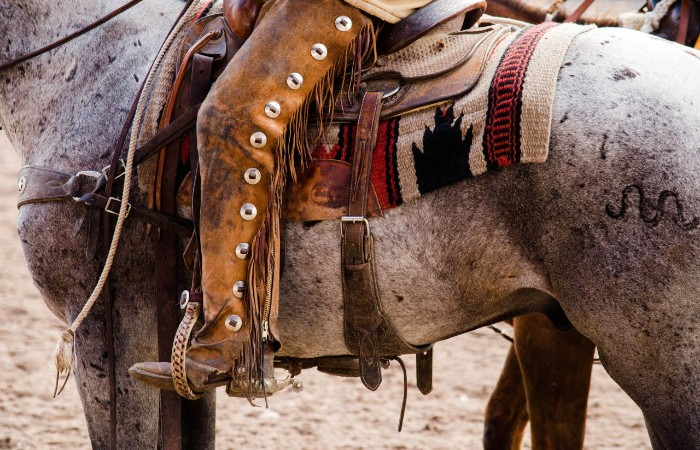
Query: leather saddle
pixel 429 59
pixel 441 63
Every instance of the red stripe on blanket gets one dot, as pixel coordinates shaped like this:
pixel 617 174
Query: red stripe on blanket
pixel 502 133
pixel 384 175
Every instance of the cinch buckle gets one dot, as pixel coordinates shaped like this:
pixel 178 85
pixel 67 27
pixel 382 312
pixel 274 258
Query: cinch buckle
pixel 355 219
pixel 109 203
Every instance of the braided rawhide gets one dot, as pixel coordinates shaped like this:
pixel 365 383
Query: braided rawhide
pixel 177 359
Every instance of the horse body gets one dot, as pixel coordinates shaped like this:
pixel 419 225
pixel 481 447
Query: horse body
pixel 499 245
pixel 64 111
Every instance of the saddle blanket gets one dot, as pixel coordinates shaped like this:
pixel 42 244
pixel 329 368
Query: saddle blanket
pixel 505 119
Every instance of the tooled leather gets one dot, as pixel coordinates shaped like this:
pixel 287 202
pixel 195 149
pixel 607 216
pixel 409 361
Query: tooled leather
pixel 233 111
pixel 424 93
pixel 43 185
pixel 430 16
pixel 321 193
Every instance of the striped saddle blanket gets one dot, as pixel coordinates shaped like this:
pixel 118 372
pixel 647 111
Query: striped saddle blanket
pixel 505 119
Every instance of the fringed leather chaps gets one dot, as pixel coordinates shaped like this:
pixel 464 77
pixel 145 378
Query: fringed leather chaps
pixel 251 131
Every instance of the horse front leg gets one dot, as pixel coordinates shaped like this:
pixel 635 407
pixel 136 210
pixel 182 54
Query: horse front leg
pixel 556 369
pixel 506 412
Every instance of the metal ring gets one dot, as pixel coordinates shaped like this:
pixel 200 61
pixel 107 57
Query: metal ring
pixel 184 299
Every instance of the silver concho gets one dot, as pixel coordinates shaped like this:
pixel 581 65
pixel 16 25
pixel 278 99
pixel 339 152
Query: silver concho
pixel 343 23
pixel 319 52
pixel 242 250
pixel 233 323
pixel 252 176
pixel 249 211
pixel 273 109
pixel 295 80
pixel 21 184
pixel 238 289
pixel 258 139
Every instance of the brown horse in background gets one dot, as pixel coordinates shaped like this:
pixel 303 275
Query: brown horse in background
pixel 545 380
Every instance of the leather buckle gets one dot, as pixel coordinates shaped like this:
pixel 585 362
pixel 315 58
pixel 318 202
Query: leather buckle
pixel 116 213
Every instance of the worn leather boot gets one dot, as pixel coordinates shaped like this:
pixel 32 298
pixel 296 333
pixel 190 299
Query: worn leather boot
pixel 250 130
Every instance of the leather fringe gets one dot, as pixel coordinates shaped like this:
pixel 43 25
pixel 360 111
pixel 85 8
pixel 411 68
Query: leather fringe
pixel 293 152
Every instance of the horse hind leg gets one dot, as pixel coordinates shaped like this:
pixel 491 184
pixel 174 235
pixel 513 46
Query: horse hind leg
pixel 556 370
pixel 506 412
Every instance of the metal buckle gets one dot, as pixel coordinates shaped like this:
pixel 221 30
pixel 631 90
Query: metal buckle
pixel 355 219
pixel 105 170
pixel 90 174
pixel 392 92
pixel 109 203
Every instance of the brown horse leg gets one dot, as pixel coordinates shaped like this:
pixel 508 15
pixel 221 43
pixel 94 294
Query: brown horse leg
pixel 506 412
pixel 556 368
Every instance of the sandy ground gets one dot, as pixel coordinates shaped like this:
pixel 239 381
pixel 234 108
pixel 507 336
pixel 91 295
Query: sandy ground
pixel 329 413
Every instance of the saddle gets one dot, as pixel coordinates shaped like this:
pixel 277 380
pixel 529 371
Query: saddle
pixel 429 59
pixel 451 62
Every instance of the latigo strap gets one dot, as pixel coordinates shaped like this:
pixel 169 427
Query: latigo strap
pixel 368 332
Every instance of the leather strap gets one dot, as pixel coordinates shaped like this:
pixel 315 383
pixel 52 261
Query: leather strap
pixel 104 243
pixel 434 14
pixel 684 22
pixel 70 37
pixel 424 371
pixel 362 317
pixel 165 222
pixel 368 332
pixel 576 15
pixel 37 184
pixel 173 131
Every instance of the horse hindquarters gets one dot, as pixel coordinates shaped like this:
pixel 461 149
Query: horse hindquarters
pixel 615 214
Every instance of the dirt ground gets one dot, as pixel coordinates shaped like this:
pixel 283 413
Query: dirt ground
pixel 329 413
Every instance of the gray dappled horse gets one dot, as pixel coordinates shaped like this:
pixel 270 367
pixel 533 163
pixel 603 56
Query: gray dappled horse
pixel 607 227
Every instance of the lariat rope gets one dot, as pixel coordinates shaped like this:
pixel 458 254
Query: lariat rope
pixel 64 353
pixel 652 19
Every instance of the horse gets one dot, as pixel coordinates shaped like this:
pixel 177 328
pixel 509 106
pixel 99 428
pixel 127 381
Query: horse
pixel 604 229
pixel 544 381
pixel 555 415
